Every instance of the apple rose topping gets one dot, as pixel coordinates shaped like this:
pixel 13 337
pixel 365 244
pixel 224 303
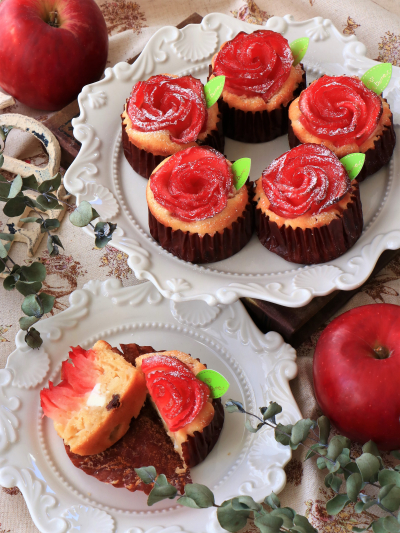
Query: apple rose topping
pixel 340 109
pixel 177 393
pixel 255 64
pixel 166 103
pixel 305 180
pixel 193 184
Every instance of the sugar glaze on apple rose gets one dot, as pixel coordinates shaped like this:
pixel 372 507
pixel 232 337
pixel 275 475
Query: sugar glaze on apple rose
pixel 356 374
pixel 50 49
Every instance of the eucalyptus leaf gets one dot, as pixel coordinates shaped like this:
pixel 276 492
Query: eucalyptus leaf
pixel 272 500
pixel 1 160
pixel 48 201
pixel 286 514
pixel 324 428
pixel 268 523
pixel 371 447
pixel 280 431
pixel 2 266
pixel 51 184
pixel 250 428
pixel 321 463
pixel 3 251
pixel 53 241
pixel 83 214
pixel 32 306
pixel 16 187
pixel 232 406
pixel 344 457
pixel 369 465
pixel 385 491
pixel 34 272
pixel 5 187
pixel 387 477
pixel 28 287
pixel 49 224
pixel 336 504
pixel 300 430
pixel 9 282
pixel 31 219
pixel 7 237
pixel 359 529
pixel 230 519
pixel 395 454
pixel 354 484
pixel 351 468
pixel 103 232
pixel 391 524
pixel 304 524
pixel 147 474
pixel 161 491
pixel 47 302
pixel 332 467
pixel 378 526
pixel 359 507
pixel 245 503
pixel 197 496
pixel 26 322
pixel 33 338
pixel 335 448
pixel 392 500
pixel 15 206
pixel 272 410
pixel 30 182
pixel 336 483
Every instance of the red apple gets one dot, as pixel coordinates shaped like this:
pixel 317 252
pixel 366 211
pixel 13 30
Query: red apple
pixel 357 374
pixel 50 49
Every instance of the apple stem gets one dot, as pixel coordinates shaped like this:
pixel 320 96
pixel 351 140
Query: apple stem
pixel 381 352
pixel 53 20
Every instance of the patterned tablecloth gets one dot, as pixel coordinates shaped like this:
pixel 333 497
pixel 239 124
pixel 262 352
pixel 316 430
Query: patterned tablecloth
pixel 130 25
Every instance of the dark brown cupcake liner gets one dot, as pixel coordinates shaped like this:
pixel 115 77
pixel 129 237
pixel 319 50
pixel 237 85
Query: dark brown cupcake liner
pixel 259 126
pixel 207 248
pixel 313 245
pixel 375 158
pixel 144 162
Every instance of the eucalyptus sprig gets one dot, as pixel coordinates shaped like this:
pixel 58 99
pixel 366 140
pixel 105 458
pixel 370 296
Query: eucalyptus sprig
pixel 42 198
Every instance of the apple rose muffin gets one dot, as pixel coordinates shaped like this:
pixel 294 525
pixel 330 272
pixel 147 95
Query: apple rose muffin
pixel 260 83
pixel 195 212
pixel 307 210
pixel 166 114
pixel 341 113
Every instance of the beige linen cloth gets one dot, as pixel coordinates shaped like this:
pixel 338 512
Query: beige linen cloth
pixel 130 25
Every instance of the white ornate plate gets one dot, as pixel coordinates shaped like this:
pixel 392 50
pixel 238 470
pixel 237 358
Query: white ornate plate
pixel 63 499
pixel 101 175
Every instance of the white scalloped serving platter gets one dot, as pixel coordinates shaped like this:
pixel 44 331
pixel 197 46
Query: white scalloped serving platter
pixel 60 497
pixel 101 175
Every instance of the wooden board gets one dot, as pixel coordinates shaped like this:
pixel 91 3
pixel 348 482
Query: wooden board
pixel 295 325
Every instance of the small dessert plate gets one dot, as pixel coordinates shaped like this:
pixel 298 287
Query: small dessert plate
pixel 60 497
pixel 101 175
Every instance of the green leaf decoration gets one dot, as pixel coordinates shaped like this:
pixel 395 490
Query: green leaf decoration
pixel 31 219
pixel 354 484
pixel 3 251
pixel 392 500
pixel 53 242
pixel 230 519
pixel 273 501
pixel 15 206
pixel 32 306
pixel 16 186
pixel 83 214
pixel 27 321
pixel 336 504
pixel 371 447
pixel 241 171
pixel 34 272
pixel 216 382
pixel 368 465
pixel 299 49
pixel 336 446
pixel 313 449
pixel 161 491
pixel 377 526
pixel 51 184
pixel 385 491
pixel 49 224
pixel 333 467
pixel 336 483
pixel 48 201
pixel 353 164
pixel 10 281
pixel 5 187
pixel 280 431
pixel 268 523
pixel 33 338
pixel 28 287
pixel 378 77
pixel 351 468
pixel 271 411
pixel 359 507
pixel 47 302
pixel 321 463
pixel 103 232
pixel 246 503
pixel 213 90
pixel 303 525
pixel 300 431
pixel 344 457
pixel 324 426
pixel 30 182
pixel 232 406
pixel 391 524
pixel 147 474
pixel 197 496
pixel 387 477
pixel 286 514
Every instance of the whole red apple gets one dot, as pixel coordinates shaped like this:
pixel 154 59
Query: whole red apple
pixel 357 374
pixel 50 49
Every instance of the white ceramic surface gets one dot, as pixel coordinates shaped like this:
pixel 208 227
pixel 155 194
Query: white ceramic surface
pixel 254 271
pixel 62 498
